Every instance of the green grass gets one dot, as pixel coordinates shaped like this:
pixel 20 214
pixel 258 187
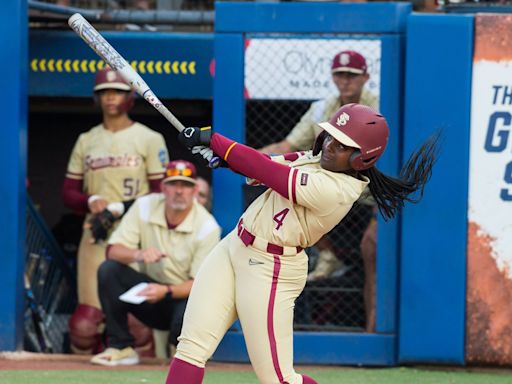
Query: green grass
pixel 323 376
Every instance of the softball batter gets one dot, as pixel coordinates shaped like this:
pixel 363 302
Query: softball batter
pixel 258 270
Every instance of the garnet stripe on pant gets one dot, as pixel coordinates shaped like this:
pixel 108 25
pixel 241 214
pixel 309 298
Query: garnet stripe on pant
pixel 270 319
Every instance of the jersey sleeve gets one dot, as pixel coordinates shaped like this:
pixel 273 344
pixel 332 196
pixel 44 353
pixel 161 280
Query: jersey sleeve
pixel 128 231
pixel 318 192
pixel 157 156
pixel 76 166
pixel 302 136
pixel 207 237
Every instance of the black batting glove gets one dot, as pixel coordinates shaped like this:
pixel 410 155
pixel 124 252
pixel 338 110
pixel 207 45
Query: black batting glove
pixel 193 136
pixel 100 225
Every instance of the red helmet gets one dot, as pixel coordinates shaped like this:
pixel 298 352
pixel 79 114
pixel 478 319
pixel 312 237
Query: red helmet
pixel 359 126
pixel 107 78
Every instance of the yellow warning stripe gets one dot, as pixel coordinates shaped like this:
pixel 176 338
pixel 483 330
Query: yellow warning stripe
pixel 152 67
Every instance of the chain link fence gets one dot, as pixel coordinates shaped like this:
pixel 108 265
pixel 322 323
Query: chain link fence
pixel 283 76
pixel 49 289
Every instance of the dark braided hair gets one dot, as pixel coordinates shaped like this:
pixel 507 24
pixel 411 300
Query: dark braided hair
pixel 390 192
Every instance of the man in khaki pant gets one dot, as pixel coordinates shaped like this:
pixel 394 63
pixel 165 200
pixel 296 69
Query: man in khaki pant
pixel 167 236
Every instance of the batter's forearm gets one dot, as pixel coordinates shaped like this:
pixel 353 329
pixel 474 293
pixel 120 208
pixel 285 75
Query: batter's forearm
pixel 252 163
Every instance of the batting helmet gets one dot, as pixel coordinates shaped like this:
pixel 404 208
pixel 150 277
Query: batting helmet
pixel 359 126
pixel 107 78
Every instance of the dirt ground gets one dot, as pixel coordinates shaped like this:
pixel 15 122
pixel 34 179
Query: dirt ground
pixel 56 362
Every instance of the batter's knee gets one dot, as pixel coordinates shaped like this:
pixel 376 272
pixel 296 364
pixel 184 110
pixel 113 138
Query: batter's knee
pixel 85 328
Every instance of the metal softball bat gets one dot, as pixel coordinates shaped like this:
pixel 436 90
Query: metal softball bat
pixel 104 50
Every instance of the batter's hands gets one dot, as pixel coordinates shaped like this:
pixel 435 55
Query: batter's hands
pixel 194 136
pixel 204 155
pixel 154 292
pixel 100 225
pixel 149 255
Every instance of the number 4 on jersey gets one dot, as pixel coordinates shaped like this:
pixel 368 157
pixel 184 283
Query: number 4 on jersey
pixel 279 217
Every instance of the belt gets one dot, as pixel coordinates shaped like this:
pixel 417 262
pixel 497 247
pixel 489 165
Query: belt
pixel 261 244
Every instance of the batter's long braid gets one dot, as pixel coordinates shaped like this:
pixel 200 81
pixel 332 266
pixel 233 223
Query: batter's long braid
pixel 390 192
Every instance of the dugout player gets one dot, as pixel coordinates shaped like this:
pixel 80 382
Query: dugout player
pixel 110 165
pixel 168 235
pixel 349 74
pixel 257 271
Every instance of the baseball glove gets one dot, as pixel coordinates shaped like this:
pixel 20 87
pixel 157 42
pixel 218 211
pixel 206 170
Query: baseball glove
pixel 100 225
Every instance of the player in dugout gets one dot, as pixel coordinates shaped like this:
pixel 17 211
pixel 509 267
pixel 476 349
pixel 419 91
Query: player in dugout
pixel 257 271
pixel 167 236
pixel 110 165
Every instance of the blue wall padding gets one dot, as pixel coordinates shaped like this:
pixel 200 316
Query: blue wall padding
pixel 433 267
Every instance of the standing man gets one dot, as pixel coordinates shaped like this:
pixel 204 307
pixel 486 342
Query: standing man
pixel 349 74
pixel 168 236
pixel 110 165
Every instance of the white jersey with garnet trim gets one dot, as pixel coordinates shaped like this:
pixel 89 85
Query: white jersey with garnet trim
pixel 318 200
pixel 118 165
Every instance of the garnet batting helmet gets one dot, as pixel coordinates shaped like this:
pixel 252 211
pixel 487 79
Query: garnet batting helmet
pixel 107 78
pixel 361 127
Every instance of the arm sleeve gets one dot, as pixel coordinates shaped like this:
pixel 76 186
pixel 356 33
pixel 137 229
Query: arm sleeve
pixel 252 164
pixel 208 237
pixel 157 157
pixel 73 195
pixel 128 231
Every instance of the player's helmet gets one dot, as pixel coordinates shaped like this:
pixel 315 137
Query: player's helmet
pixel 361 127
pixel 107 78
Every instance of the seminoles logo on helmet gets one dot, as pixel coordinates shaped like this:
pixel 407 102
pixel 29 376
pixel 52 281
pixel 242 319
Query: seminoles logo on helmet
pixel 342 119
pixel 360 127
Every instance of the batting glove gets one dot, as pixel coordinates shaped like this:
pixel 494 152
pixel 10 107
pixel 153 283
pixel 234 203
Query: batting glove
pixel 192 136
pixel 205 155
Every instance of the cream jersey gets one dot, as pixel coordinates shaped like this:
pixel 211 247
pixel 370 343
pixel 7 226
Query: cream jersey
pixel 303 135
pixel 318 200
pixel 185 247
pixel 118 165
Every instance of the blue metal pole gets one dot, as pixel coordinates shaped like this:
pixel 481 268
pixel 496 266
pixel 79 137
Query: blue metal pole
pixel 13 154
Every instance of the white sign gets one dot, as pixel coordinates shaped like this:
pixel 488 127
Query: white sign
pixel 490 176
pixel 300 69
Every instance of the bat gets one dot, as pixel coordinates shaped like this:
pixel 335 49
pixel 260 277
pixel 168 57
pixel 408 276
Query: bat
pixel 104 50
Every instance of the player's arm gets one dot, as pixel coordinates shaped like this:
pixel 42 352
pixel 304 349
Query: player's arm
pixel 73 195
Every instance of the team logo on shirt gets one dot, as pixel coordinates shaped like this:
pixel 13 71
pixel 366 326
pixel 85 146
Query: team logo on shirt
pixel 162 156
pixel 112 161
pixel 343 119
pixel 304 179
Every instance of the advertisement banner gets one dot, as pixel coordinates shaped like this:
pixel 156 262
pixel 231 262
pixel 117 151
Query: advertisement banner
pixel 489 283
pixel 300 68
